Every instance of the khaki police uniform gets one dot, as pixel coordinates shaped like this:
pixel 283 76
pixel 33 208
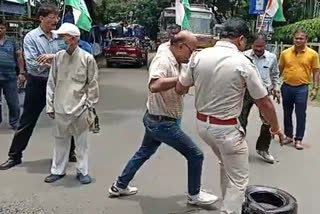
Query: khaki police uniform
pixel 221 75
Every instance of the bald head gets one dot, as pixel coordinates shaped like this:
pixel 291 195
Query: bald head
pixel 184 37
pixel 182 46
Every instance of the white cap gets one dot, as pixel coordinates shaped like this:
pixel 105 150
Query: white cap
pixel 67 28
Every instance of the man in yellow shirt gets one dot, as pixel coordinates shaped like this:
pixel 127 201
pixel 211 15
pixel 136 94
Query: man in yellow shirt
pixel 296 65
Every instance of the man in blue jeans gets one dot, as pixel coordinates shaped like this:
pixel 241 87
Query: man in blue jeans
pixel 164 108
pixel 10 53
pixel 297 65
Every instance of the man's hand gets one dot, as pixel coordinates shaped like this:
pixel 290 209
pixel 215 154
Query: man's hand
pixel 21 79
pixel 314 94
pixel 45 58
pixel 276 95
pixel 51 115
pixel 279 134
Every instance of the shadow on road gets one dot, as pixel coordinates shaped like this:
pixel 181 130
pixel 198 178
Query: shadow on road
pixel 170 205
pixel 38 166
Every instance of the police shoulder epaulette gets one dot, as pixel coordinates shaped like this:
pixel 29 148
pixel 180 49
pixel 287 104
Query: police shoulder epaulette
pixel 249 59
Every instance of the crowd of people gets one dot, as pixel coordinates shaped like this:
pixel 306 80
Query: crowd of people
pixel 63 79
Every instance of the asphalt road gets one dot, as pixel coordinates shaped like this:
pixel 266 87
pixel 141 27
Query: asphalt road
pixel 162 181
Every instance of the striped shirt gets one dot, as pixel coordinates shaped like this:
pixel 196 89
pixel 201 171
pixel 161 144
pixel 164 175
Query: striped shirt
pixel 8 59
pixel 35 44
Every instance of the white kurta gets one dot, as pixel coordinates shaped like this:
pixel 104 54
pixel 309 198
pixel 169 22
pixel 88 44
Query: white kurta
pixel 72 91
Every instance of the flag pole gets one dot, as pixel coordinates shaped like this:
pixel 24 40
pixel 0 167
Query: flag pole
pixel 64 11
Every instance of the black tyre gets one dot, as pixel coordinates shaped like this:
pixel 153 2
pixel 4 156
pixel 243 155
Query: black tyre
pixel 109 65
pixel 268 200
pixel 139 63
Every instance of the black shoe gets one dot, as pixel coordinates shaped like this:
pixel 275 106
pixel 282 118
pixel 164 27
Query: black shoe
pixel 10 163
pixel 53 178
pixel 73 158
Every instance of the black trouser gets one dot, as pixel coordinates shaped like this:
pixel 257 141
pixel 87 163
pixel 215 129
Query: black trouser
pixel 34 102
pixel 264 139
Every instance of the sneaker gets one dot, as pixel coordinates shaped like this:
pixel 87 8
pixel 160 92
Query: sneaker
pixel 117 191
pixel 203 198
pixel 265 155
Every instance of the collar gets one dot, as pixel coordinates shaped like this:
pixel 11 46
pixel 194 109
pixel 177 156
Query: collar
pixel 172 58
pixel 227 44
pixel 252 54
pixel 41 33
pixel 303 51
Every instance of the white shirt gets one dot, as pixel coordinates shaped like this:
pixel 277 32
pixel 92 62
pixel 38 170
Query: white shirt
pixel 221 75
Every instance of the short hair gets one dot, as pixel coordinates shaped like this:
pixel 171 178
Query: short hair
pixel 46 9
pixel 3 23
pixel 258 36
pixel 235 27
pixel 301 31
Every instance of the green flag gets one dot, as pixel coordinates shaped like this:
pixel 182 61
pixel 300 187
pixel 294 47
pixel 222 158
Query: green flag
pixel 81 14
pixel 183 14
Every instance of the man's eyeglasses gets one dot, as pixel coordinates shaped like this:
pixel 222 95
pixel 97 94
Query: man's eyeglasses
pixel 53 17
pixel 190 49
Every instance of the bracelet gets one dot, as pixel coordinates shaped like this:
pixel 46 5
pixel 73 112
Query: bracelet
pixel 275 133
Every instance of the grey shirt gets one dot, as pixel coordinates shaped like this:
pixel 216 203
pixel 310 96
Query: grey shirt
pixel 267 66
pixel 35 44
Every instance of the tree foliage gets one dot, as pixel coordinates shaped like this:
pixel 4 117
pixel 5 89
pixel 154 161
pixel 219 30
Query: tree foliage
pixel 311 26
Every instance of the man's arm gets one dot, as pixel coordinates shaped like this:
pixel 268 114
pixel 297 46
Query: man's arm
pixel 51 85
pixel 268 111
pixel 281 63
pixel 275 74
pixel 314 92
pixel 93 85
pixel 162 84
pixel 20 61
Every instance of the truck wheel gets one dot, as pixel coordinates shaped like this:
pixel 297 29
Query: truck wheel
pixel 268 200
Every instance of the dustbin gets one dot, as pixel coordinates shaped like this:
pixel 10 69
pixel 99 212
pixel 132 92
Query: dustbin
pixel 268 200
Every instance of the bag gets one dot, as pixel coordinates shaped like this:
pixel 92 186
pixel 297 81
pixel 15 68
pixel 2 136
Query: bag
pixel 95 126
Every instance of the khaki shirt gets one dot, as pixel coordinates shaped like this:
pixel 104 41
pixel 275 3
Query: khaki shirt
pixel 72 90
pixel 165 103
pixel 221 75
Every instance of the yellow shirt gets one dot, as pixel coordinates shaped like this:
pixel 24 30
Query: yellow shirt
pixel 297 68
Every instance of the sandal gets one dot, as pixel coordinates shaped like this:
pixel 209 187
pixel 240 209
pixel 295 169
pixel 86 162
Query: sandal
pixel 287 140
pixel 298 145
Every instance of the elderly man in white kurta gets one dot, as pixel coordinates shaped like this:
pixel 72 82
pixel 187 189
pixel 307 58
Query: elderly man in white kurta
pixel 72 92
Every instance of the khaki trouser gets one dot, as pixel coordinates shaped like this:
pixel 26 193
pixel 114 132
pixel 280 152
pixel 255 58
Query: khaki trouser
pixel 228 143
pixel 61 154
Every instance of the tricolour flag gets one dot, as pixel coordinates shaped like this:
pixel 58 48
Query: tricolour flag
pixel 183 14
pixel 274 9
pixel 80 13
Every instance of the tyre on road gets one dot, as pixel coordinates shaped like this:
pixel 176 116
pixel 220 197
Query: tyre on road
pixel 268 200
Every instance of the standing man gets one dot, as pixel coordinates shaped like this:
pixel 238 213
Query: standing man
pixel 221 75
pixel 164 108
pixel 267 66
pixel 10 53
pixel 40 46
pixel 72 92
pixel 296 65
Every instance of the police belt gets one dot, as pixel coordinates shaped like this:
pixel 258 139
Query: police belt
pixel 216 121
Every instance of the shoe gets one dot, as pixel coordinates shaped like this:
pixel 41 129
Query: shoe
pixel 298 145
pixel 84 179
pixel 287 140
pixel 10 163
pixel 53 178
pixel 117 191
pixel 203 198
pixel 73 158
pixel 265 155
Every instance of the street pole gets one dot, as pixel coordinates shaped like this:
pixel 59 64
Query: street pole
pixel 29 8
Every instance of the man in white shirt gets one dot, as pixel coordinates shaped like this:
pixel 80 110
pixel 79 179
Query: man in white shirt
pixel 72 92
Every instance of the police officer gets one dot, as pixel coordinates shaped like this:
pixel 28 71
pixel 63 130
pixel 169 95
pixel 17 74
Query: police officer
pixel 221 75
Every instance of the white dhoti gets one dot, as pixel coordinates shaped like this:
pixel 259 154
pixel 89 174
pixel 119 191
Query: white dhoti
pixel 61 154
pixel 67 126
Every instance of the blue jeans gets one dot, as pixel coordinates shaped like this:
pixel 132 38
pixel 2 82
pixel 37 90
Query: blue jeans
pixel 294 97
pixel 10 92
pixel 168 132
